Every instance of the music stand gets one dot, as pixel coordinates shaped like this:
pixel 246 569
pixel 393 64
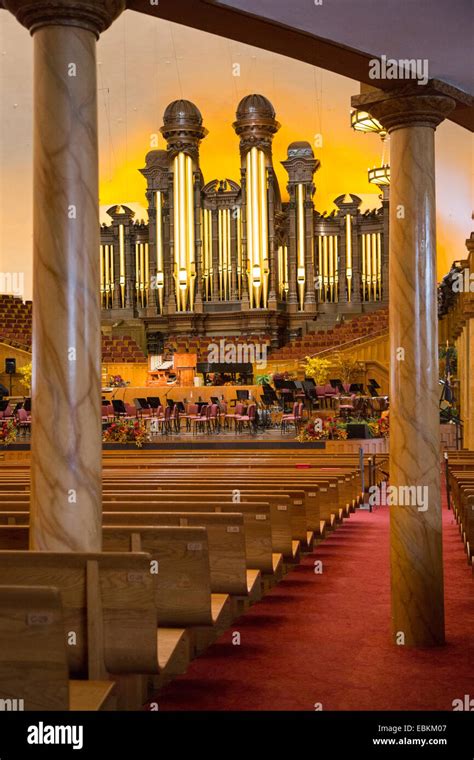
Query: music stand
pixel 119 407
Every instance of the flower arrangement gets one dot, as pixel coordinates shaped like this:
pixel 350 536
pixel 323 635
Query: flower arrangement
pixel 346 366
pixel 318 369
pixel 25 373
pixel 117 381
pixel 126 432
pixel 322 430
pixel 335 429
pixel 283 376
pixel 8 432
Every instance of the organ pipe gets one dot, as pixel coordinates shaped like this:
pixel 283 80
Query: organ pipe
pixel 160 275
pixel 349 256
pixel 379 265
pixel 301 277
pixel 184 239
pixel 122 263
pixel 102 289
pixel 374 265
pixel 368 248
pixel 257 227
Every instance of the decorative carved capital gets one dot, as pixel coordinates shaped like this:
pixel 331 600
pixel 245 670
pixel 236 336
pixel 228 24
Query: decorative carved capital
pixel 93 15
pixel 183 129
pixel 411 105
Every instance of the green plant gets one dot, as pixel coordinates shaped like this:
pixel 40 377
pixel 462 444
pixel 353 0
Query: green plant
pixel 263 379
pixel 318 369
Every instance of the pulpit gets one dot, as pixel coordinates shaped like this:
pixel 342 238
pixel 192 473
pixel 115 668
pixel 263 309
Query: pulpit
pixel 185 368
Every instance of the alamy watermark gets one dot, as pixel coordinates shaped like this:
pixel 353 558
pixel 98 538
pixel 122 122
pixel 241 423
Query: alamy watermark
pixel 399 496
pixel 240 353
pixel 401 68
pixel 12 283
pixel 463 282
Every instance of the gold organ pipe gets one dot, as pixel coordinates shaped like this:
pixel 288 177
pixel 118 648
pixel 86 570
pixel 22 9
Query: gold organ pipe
pixel 325 266
pixel 368 248
pixel 374 264
pixel 112 270
pixel 349 256
pixel 101 265
pixel 159 248
pixel 182 274
pixel 300 236
pixel 220 247
pixel 205 268
pixel 177 231
pixel 250 227
pixel 280 269
pixel 224 254
pixel 336 270
pixel 209 251
pixel 263 225
pixel 229 253
pixel 147 272
pixel 190 264
pixel 137 268
pixel 142 273
pixel 379 264
pixel 285 260
pixel 363 275
pixel 320 268
pixel 122 262
pixel 256 267
pixel 107 274
pixel 331 268
pixel 238 222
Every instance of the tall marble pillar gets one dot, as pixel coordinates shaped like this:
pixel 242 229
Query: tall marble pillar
pixel 411 115
pixel 66 439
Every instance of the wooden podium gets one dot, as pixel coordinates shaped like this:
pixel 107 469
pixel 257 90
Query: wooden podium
pixel 185 368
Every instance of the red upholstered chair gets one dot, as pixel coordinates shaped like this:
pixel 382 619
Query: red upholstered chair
pixel 246 419
pixel 293 418
pixel 192 411
pixel 175 420
pixel 108 413
pixel 23 420
pixel 346 405
pixel 201 421
pixel 131 412
pixel 213 422
pixel 7 412
pixel 229 418
pixel 162 420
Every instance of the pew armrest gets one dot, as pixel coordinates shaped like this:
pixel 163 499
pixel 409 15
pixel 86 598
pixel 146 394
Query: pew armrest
pixel 91 695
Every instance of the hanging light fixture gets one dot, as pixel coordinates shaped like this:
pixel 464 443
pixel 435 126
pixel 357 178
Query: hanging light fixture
pixel 362 121
pixel 380 175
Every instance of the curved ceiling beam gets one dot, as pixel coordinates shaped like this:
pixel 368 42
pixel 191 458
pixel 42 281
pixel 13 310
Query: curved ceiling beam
pixel 278 38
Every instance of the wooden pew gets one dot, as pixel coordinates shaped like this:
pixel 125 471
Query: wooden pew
pixel 109 612
pixel 183 589
pixel 229 573
pixel 33 655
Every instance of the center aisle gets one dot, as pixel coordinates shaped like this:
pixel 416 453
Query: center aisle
pixel 325 638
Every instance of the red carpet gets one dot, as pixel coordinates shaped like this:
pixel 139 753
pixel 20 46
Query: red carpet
pixel 326 638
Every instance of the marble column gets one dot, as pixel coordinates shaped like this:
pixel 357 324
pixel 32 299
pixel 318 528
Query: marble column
pixel 411 116
pixel 66 438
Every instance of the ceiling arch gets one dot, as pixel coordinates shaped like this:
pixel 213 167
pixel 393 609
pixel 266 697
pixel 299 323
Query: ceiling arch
pixel 349 35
